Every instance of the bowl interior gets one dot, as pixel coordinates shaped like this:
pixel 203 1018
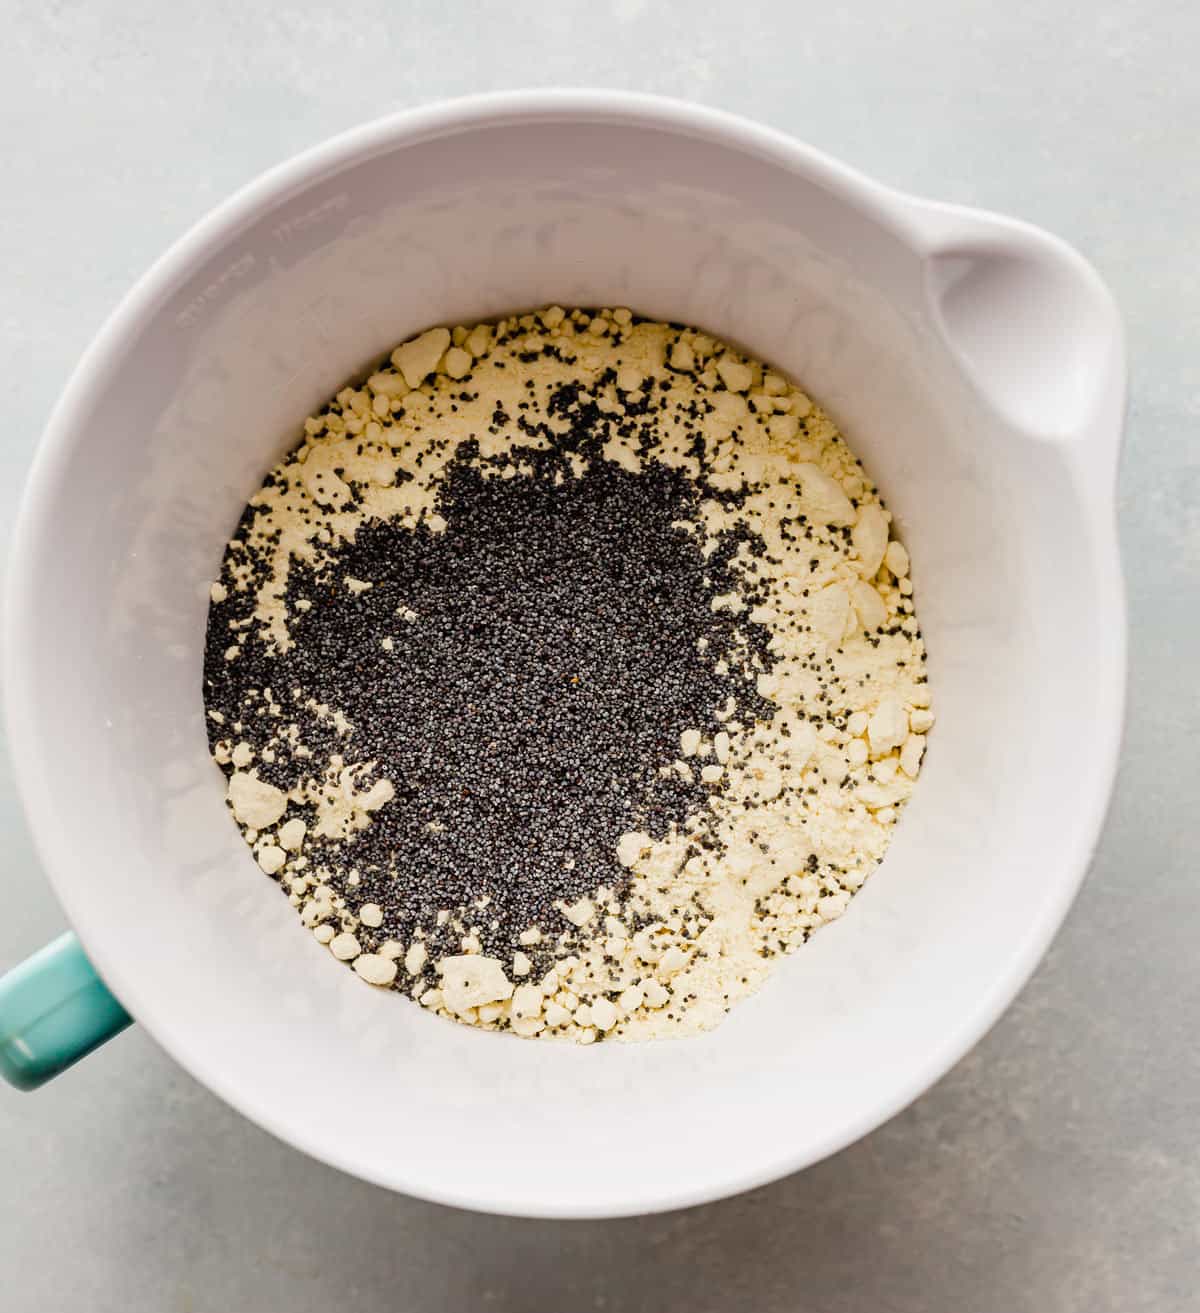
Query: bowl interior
pixel 202 382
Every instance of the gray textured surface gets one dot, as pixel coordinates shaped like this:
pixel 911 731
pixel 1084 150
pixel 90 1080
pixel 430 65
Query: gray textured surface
pixel 1056 1168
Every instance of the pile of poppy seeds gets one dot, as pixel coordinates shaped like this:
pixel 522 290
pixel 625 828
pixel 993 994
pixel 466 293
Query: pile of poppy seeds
pixel 565 674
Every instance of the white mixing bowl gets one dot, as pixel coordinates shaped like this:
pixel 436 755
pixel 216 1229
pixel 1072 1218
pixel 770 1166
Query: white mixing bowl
pixel 976 365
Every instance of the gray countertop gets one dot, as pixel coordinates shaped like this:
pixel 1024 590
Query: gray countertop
pixel 1056 1168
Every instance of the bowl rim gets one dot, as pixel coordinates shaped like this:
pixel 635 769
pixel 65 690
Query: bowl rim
pixel 67 426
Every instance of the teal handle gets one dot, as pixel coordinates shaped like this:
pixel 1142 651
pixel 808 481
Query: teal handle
pixel 54 1010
